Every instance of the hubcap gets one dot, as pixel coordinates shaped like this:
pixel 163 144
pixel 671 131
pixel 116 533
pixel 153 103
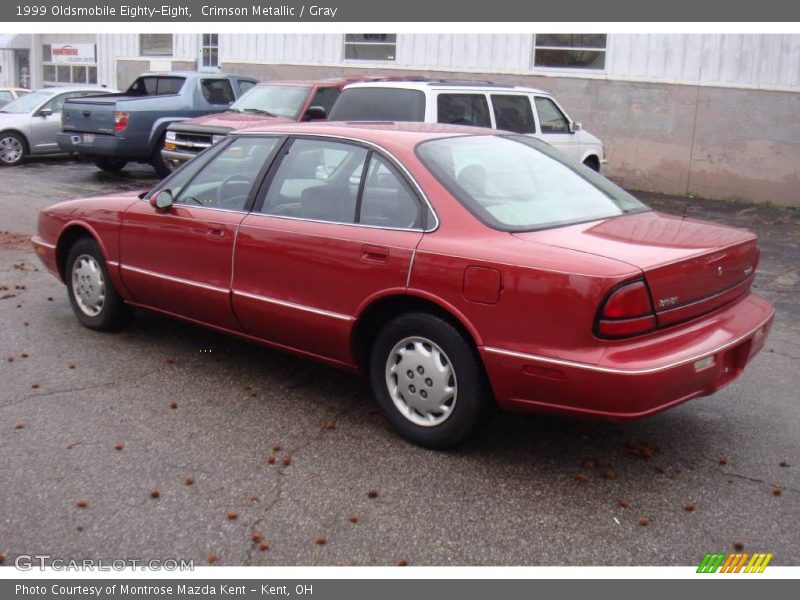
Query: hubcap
pixel 88 285
pixel 10 150
pixel 421 381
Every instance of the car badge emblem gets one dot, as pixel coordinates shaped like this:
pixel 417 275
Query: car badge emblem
pixel 719 271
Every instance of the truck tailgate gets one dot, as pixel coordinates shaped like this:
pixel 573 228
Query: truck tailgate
pixel 89 115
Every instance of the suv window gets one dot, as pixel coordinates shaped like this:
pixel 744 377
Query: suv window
pixel 318 180
pixel 551 119
pixel 155 86
pixel 225 181
pixel 217 91
pixel 513 113
pixel 463 109
pixel 325 97
pixel 379 104
pixel 386 200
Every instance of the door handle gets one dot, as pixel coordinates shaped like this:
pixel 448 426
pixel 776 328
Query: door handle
pixel 377 254
pixel 216 230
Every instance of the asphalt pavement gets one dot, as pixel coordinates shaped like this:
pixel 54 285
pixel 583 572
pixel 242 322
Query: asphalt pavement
pixel 155 442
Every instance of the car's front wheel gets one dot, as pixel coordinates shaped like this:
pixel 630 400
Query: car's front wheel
pixel 12 149
pixel 427 380
pixel 92 295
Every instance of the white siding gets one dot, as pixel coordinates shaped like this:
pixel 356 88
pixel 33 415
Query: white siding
pixel 6 67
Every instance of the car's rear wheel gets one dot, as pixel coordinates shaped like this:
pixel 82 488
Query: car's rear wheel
pixel 92 295
pixel 427 380
pixel 110 164
pixel 12 149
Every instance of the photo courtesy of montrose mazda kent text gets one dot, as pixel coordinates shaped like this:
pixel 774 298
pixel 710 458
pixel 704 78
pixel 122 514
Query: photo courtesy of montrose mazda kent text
pixel 457 267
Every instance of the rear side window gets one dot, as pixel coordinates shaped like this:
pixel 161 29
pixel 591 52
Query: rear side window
pixel 513 113
pixel 463 109
pixel 155 86
pixel 245 85
pixel 551 119
pixel 386 200
pixel 379 104
pixel 217 91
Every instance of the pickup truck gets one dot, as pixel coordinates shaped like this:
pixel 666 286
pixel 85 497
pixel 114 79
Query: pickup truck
pixel 265 104
pixel 115 129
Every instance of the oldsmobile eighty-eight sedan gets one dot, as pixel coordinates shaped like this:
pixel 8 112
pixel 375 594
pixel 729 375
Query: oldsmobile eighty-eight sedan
pixel 456 267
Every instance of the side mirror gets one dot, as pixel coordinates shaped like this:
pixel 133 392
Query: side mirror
pixel 162 200
pixel 315 113
pixel 575 126
pixel 45 112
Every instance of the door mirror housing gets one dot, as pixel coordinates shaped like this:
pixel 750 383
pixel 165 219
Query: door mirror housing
pixel 575 126
pixel 316 113
pixel 45 112
pixel 162 200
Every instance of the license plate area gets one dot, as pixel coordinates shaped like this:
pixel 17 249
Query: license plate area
pixel 88 138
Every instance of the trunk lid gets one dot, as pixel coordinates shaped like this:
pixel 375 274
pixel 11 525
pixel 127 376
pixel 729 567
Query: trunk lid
pixel 690 267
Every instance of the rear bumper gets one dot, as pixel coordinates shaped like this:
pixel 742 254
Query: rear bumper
pixel 635 378
pixel 101 145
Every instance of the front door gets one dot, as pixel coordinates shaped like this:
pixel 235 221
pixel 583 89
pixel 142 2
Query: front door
pixel 179 260
pixel 321 242
pixel 554 127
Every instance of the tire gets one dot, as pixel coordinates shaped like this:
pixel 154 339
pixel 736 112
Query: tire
pixel 13 149
pixel 455 397
pixel 110 164
pixel 92 295
pixel 592 163
pixel 157 161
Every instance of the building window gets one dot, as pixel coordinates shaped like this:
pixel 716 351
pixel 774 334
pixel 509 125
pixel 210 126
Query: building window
pixel 209 52
pixel 370 46
pixel 56 72
pixel 155 44
pixel 570 50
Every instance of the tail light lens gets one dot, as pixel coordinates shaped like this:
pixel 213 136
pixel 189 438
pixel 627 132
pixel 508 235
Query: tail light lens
pixel 627 311
pixel 120 121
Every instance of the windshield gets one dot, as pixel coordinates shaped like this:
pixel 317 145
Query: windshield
pixel 518 183
pixel 277 100
pixel 27 103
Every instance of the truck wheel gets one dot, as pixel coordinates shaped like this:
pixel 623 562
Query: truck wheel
pixel 110 164
pixel 12 149
pixel 157 161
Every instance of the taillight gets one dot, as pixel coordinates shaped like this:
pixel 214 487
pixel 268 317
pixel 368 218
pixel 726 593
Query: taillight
pixel 627 311
pixel 120 121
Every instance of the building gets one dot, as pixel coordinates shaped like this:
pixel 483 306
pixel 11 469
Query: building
pixel 712 115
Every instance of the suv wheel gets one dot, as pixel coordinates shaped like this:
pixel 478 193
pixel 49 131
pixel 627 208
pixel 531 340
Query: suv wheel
pixel 157 161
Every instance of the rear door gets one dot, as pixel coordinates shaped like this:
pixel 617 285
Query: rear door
pixel 554 126
pixel 180 260
pixel 336 225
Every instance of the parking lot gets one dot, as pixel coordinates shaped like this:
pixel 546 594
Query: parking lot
pixel 164 431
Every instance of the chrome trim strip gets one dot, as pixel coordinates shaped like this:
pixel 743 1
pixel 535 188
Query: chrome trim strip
pixel 372 145
pixel 204 286
pixel 316 311
pixel 289 218
pixel 42 243
pixel 578 365
pixel 112 263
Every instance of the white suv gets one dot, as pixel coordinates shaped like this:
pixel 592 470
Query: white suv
pixel 519 109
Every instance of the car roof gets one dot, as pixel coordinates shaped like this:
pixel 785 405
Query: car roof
pixel 372 131
pixel 450 85
pixel 305 82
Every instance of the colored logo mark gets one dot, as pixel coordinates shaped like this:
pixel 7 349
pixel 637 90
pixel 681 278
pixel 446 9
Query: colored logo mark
pixel 714 562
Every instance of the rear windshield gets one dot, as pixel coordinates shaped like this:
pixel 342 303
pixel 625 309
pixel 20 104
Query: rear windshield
pixel 151 85
pixel 379 104
pixel 517 183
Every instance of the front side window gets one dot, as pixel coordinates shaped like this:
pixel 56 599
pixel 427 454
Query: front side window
pixel 225 181
pixel 513 113
pixel 519 183
pixel 275 100
pixel 570 50
pixel 155 44
pixel 551 119
pixel 318 180
pixel 370 46
pixel 463 109
pixel 379 104
pixel 217 91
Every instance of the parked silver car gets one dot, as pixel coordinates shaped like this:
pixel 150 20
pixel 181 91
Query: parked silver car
pixel 9 94
pixel 29 125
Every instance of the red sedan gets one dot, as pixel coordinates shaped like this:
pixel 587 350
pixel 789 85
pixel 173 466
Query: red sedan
pixel 457 267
